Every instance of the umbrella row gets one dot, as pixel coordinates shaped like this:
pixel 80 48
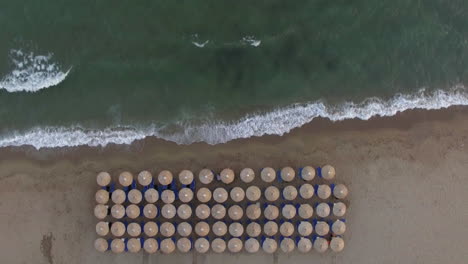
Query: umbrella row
pixel 218 245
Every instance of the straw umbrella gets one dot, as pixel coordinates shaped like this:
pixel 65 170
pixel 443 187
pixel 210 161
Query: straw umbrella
pixel 118 211
pixel 287 174
pixel 322 228
pixel 227 176
pixel 100 211
pixel 185 195
pixel 202 211
pixel 184 229
pixel 186 177
pixel 218 211
pixel 268 174
pixel 167 246
pixel 202 229
pixel 145 178
pixel 101 245
pixel 204 195
pixel 340 191
pixel 235 245
pixel 289 211
pixel 219 228
pixel 306 191
pixel 270 228
pixel 118 196
pixel 304 245
pixel 151 195
pixel 253 193
pixel 102 228
pixel 272 193
pixel 202 245
pixel 320 244
pixel 323 210
pixel 167 229
pixel 118 229
pixel 125 178
pixel 323 191
pixel 271 212
pixel 206 176
pixel 102 196
pixel 337 244
pixel 135 196
pixel 103 179
pixel 117 245
pixel 339 209
pixel 220 195
pixel 150 245
pixel 134 245
pixel 184 211
pixel 151 229
pixel 235 212
pixel 218 245
pixel 308 173
pixel 132 211
pixel 134 229
pixel 247 175
pixel 287 245
pixel 236 229
pixel 237 194
pixel 338 227
pixel 287 229
pixel 290 193
pixel 254 229
pixel 252 245
pixel 269 245
pixel 168 211
pixel 253 211
pixel 168 196
pixel 184 245
pixel 305 211
pixel 165 177
pixel 305 228
pixel 328 172
pixel 150 211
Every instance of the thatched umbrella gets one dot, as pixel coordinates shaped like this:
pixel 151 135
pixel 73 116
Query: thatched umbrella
pixel 202 245
pixel 218 245
pixel 235 212
pixel 270 228
pixel 184 229
pixel 151 229
pixel 252 245
pixel 236 229
pixel 202 229
pixel 125 178
pixel 118 229
pixel 322 228
pixel 219 228
pixel 118 196
pixel 135 196
pixel 132 211
pixel 220 195
pixel 268 174
pixel 290 193
pixel 320 244
pixel 328 172
pixel 186 177
pixel 237 194
pixel 227 176
pixel 338 227
pixel 165 177
pixel 247 175
pixel 272 193
pixel 134 245
pixel 168 196
pixel 168 211
pixel 151 195
pixel 304 245
pixel 167 246
pixel 100 211
pixel 235 245
pixel 340 191
pixel 305 211
pixel 218 211
pixel 184 211
pixel 306 191
pixel 287 245
pixel 145 178
pixel 287 174
pixel 271 212
pixel 287 229
pixel 101 245
pixel 323 191
pixel 118 211
pixel 206 176
pixel 323 210
pixel 339 209
pixel 254 229
pixel 167 229
pixel 102 228
pixel 150 211
pixel 184 245
pixel 337 244
pixel 253 211
pixel 253 193
pixel 202 211
pixel 150 245
pixel 103 179
pixel 308 173
pixel 134 229
pixel 289 211
pixel 305 228
pixel 185 195
pixel 204 195
pixel 269 245
pixel 117 245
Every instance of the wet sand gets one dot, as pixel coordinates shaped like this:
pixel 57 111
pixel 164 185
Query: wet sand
pixel 406 174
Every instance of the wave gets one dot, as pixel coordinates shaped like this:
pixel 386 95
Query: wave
pixel 32 73
pixel 276 122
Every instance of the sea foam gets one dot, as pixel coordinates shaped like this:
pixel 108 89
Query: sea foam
pixel 276 122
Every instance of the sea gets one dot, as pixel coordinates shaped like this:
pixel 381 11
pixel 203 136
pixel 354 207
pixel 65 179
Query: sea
pixel 99 72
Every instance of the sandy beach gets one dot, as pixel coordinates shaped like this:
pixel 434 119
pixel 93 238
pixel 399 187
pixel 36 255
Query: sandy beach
pixel 407 175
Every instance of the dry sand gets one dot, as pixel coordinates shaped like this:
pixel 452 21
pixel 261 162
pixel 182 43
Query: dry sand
pixel 407 177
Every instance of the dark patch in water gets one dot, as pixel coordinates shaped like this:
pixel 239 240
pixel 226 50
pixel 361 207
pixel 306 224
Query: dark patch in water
pixel 46 247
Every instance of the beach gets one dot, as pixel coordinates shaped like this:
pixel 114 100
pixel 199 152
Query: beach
pixel 407 175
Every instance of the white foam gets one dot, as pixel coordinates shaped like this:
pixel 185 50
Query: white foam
pixel 277 122
pixel 251 41
pixel 200 44
pixel 32 73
